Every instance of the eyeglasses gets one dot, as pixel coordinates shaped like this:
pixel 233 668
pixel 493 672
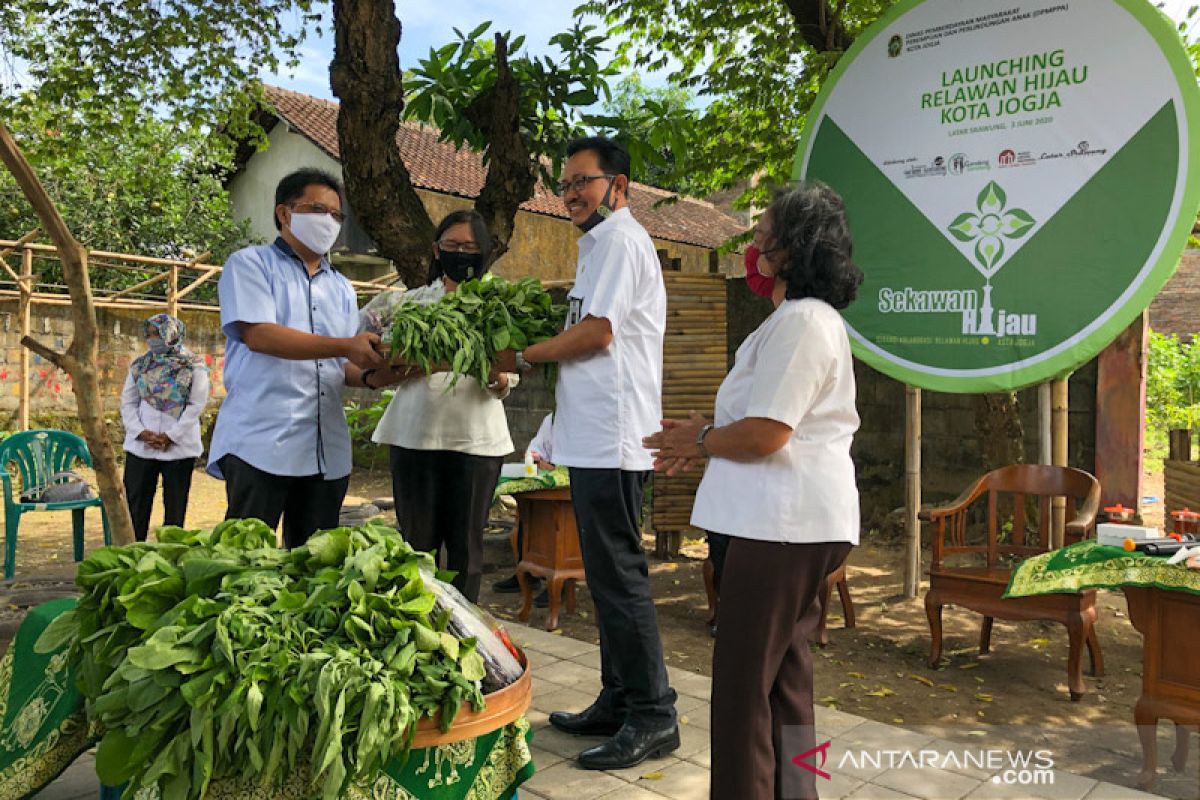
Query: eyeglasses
pixel 759 240
pixel 579 182
pixel 451 246
pixel 318 208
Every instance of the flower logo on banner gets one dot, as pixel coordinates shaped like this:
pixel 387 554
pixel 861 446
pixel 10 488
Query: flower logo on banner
pixel 990 227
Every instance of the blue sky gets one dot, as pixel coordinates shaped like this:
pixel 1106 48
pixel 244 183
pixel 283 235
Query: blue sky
pixel 429 24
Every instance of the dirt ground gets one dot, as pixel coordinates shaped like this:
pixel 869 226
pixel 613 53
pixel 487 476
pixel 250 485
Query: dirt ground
pixel 1015 696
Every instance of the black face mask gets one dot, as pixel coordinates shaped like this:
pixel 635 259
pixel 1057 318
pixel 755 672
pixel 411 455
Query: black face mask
pixel 460 267
pixel 602 212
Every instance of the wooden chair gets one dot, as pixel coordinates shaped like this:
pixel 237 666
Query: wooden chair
pixel 980 587
pixel 837 579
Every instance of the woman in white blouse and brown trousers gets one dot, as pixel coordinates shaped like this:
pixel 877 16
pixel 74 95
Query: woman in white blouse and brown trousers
pixel 780 482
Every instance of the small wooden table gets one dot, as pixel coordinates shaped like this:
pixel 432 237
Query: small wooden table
pixel 1168 622
pixel 551 549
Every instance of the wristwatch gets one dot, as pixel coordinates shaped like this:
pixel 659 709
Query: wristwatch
pixel 700 439
pixel 522 364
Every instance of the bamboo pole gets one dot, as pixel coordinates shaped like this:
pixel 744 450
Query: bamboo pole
pixel 80 359
pixel 1058 507
pixel 912 489
pixel 1045 425
pixel 25 285
pixel 142 285
pixel 173 292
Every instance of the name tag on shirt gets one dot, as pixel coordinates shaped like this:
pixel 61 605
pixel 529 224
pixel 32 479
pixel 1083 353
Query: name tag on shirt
pixel 574 311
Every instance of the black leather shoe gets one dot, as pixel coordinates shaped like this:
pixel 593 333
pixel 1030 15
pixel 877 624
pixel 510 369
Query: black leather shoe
pixel 592 721
pixel 512 585
pixel 629 748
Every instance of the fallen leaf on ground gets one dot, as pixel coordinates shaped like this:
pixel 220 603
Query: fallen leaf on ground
pixel 987 698
pixel 921 679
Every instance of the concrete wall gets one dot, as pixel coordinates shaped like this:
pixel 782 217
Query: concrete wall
pixel 542 246
pixel 122 341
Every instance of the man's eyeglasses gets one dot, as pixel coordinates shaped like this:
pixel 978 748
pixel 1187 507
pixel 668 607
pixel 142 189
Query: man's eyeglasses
pixel 451 246
pixel 578 183
pixel 318 208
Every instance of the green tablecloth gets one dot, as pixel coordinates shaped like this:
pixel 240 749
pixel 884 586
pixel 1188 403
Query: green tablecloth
pixel 1090 565
pixel 556 478
pixel 43 728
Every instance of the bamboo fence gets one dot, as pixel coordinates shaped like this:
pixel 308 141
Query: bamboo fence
pixel 694 364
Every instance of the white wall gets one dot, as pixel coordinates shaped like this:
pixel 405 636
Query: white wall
pixel 252 191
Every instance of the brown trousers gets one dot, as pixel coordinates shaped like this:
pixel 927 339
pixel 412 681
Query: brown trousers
pixel 762 666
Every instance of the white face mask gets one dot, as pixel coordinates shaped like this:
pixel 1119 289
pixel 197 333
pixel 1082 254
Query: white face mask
pixel 317 232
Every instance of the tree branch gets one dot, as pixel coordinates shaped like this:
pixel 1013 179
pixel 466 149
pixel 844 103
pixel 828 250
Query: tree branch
pixel 512 171
pixel 821 29
pixel 365 76
pixel 80 359
pixel 60 360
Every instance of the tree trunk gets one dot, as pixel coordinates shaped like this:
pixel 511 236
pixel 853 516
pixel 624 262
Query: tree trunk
pixel 1001 434
pixel 365 76
pixel 80 359
pixel 820 23
pixel 512 171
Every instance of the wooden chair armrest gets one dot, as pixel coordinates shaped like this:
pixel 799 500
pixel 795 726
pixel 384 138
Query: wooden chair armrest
pixel 1085 518
pixel 956 506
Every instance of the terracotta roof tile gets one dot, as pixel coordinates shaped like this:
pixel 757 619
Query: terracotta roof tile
pixel 440 167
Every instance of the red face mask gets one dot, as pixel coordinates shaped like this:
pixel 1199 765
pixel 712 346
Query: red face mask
pixel 758 283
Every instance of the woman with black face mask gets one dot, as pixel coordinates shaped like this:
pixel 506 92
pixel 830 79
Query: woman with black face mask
pixel 447 443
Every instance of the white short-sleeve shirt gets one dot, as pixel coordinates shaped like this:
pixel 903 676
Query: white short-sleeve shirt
pixel 796 369
pixel 607 402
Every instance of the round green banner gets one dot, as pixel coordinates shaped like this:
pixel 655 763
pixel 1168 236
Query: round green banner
pixel 1020 181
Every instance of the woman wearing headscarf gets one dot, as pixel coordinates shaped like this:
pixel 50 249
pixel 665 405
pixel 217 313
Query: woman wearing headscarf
pixel 785 418
pixel 165 393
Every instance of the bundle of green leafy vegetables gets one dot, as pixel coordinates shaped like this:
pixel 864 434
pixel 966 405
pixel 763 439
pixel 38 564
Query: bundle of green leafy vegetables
pixel 469 326
pixel 214 654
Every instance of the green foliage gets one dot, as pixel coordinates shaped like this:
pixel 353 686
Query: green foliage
pixel 110 60
pixel 469 326
pixel 150 188
pixel 1172 383
pixel 362 421
pixel 554 93
pixel 750 61
pixel 213 654
pixel 652 124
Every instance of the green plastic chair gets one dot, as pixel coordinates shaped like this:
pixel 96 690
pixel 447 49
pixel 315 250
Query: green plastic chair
pixel 41 454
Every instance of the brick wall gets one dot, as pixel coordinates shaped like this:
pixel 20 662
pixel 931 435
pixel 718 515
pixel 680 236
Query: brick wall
pixel 1176 309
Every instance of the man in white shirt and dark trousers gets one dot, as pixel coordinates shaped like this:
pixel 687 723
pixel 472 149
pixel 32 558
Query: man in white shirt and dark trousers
pixel 609 395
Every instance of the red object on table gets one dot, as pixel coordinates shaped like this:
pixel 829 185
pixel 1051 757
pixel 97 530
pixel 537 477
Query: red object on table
pixel 1185 521
pixel 1170 682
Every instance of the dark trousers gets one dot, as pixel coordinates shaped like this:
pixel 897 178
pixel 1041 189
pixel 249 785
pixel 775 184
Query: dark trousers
pixel 718 548
pixel 762 666
pixel 307 504
pixel 442 501
pixel 608 512
pixel 141 484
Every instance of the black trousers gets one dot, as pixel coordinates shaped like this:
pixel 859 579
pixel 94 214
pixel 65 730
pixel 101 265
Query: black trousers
pixel 141 484
pixel 762 667
pixel 307 504
pixel 442 501
pixel 718 548
pixel 608 512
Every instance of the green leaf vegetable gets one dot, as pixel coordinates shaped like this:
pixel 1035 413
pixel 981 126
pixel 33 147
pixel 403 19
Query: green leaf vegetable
pixel 468 327
pixel 214 654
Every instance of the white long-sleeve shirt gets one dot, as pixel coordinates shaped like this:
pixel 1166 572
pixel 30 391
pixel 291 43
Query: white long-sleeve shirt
pixel 139 416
